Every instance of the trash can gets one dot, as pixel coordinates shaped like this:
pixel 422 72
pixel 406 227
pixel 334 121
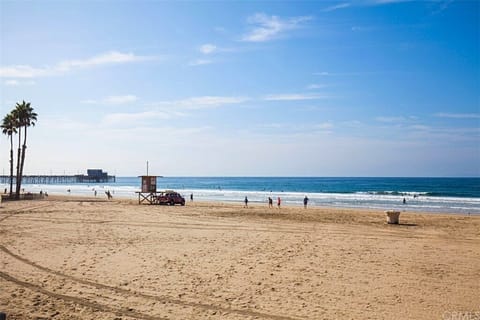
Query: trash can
pixel 392 216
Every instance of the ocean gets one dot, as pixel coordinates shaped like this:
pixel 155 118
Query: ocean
pixel 449 195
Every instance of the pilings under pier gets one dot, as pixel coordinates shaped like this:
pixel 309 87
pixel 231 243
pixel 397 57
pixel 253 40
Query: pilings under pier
pixel 58 179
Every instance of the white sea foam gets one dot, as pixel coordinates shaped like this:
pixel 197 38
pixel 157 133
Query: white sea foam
pixel 415 201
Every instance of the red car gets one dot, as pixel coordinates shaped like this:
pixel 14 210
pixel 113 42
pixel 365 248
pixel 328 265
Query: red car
pixel 170 197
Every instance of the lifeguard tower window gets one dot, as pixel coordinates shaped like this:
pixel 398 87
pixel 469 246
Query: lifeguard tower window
pixel 149 184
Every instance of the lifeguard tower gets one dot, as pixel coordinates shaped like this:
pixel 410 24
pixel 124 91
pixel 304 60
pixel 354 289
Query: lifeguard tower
pixel 149 190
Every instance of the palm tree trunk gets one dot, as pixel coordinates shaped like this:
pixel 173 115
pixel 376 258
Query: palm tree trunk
pixel 11 166
pixel 18 186
pixel 24 148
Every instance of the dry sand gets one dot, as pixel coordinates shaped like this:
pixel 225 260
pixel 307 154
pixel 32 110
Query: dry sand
pixel 85 259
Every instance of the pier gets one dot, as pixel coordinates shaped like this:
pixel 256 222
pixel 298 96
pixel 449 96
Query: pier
pixel 92 176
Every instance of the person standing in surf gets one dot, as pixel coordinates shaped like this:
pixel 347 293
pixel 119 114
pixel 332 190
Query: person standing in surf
pixel 305 202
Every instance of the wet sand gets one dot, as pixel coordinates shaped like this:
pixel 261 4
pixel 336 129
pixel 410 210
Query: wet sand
pixel 73 258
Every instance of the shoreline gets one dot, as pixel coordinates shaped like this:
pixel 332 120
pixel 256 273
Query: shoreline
pixel 252 204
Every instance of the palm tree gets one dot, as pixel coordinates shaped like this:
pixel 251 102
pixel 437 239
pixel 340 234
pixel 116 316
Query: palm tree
pixel 9 127
pixel 15 114
pixel 26 117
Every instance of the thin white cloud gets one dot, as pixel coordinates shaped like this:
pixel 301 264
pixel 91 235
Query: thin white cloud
pixel 442 135
pixel 11 82
pixel 19 83
pixel 121 99
pixel 90 101
pixel 362 28
pixel 220 30
pixel 24 71
pixel 208 48
pixel 342 74
pixel 133 119
pixel 266 28
pixel 381 2
pixel 420 127
pixel 337 6
pixel 102 59
pixel 113 100
pixel 443 6
pixel 357 3
pixel 397 120
pixel 315 86
pixel 200 62
pixel 293 97
pixel 458 115
pixel 324 126
pixel 203 102
pixel 64 123
pixel 352 124
pixel 214 100
pixel 112 57
pixel 390 119
pixel 178 137
pixel 273 125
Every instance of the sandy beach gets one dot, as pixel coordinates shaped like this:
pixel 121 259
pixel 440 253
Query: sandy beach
pixel 79 258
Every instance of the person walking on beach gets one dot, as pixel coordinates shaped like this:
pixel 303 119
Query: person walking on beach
pixel 191 196
pixel 279 202
pixel 270 202
pixel 246 202
pixel 305 202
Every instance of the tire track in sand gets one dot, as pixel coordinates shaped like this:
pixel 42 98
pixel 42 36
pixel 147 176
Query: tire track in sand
pixel 171 225
pixel 80 301
pixel 162 299
pixel 23 210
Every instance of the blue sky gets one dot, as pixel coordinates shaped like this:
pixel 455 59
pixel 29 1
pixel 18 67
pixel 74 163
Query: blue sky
pixel 347 88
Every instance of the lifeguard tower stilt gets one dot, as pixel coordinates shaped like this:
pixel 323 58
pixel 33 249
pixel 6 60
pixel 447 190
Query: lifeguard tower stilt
pixel 149 190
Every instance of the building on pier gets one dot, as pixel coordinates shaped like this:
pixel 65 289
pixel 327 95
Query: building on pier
pixel 95 176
